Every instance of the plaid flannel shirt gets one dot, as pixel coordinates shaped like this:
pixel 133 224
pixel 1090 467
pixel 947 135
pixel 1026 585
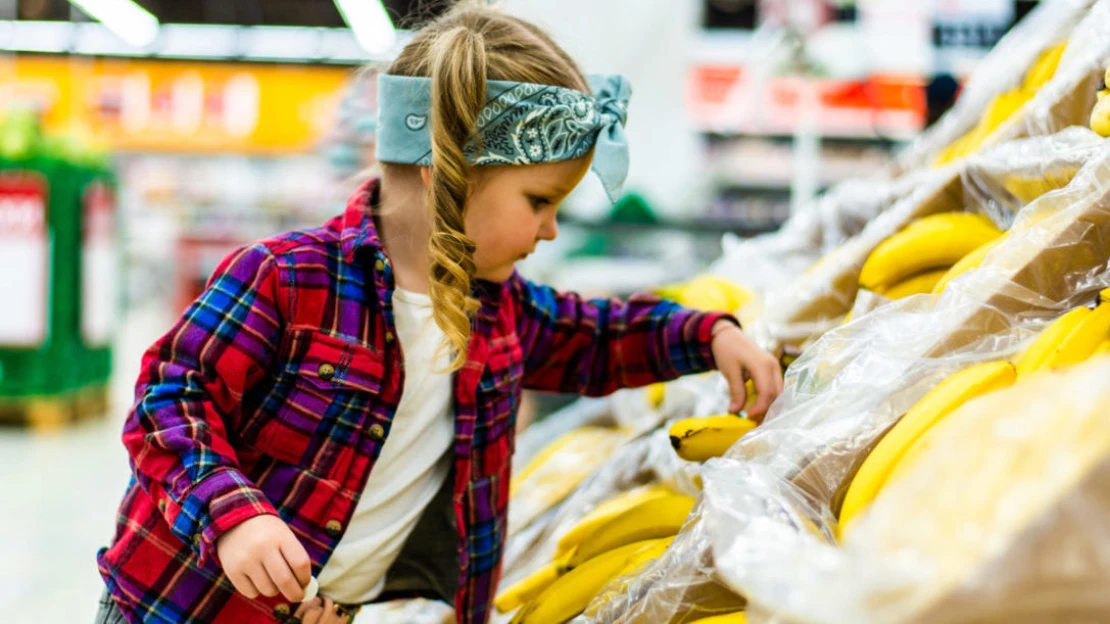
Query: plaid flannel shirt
pixel 275 391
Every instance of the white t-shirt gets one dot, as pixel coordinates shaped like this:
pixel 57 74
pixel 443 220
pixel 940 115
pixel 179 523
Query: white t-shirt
pixel 413 464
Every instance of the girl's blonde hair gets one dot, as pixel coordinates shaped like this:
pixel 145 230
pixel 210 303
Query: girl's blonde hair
pixel 460 51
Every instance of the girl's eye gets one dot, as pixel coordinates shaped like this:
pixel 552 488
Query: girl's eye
pixel 539 202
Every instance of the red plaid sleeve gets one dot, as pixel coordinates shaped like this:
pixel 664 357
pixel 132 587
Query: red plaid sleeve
pixel 187 400
pixel 597 346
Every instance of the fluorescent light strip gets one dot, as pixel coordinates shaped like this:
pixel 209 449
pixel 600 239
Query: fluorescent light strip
pixel 192 41
pixel 373 29
pixel 127 20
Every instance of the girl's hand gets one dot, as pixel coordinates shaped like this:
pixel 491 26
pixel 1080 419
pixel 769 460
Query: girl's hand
pixel 321 610
pixel 262 556
pixel 739 358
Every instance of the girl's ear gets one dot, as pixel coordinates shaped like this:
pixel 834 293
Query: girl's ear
pixel 426 176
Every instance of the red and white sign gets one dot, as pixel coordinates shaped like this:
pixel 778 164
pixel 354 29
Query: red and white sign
pixel 24 259
pixel 99 265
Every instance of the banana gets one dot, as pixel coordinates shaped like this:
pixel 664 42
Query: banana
pixel 1082 342
pixel 933 407
pixel 1042 352
pixel 1104 295
pixel 917 284
pixel 1100 115
pixel 933 242
pixel 571 593
pixel 698 439
pixel 606 511
pixel 651 519
pixel 967 263
pixel 1044 68
pixel 633 566
pixel 1102 349
pixel 738 617
pixel 998 110
pixel 584 440
pixel 527 588
pixel 710 293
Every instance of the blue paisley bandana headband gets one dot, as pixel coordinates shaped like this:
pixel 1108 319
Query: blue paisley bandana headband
pixel 521 124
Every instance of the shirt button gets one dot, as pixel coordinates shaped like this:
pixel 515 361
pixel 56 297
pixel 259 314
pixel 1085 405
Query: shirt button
pixel 326 371
pixel 282 611
pixel 389 337
pixel 162 505
pixel 197 540
pixel 377 433
pixel 379 265
pixel 333 528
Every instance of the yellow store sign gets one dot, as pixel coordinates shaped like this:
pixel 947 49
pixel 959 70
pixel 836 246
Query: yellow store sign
pixel 178 106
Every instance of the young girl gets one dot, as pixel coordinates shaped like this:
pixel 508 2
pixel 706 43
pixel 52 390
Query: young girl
pixel 337 410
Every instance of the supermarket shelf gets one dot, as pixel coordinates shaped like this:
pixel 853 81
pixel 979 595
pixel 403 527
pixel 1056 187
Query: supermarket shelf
pixel 888 141
pixel 692 226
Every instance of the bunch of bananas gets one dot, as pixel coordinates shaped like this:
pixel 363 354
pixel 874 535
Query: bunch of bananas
pixel 557 470
pixel 615 539
pixel 927 253
pixel 1004 105
pixel 1071 339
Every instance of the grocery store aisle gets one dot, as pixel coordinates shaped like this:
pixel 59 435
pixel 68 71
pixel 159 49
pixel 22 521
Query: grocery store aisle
pixel 60 491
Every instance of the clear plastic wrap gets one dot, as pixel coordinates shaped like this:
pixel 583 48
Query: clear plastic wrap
pixel 1000 519
pixel 779 486
pixel 582 412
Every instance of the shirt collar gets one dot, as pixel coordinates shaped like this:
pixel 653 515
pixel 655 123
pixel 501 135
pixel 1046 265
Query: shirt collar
pixel 358 223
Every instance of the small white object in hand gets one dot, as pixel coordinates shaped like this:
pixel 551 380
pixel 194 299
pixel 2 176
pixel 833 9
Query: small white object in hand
pixel 311 589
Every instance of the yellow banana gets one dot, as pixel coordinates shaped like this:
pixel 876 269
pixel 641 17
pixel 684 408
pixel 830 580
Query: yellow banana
pixel 914 285
pixel 933 242
pixel 1044 67
pixel 1045 345
pixel 998 110
pixel 967 263
pixel 1081 343
pixel 571 593
pixel 582 441
pixel 1102 349
pixel 1104 295
pixel 698 439
pixel 1100 115
pixel 651 519
pixel 606 511
pixel 933 407
pixel 710 293
pixel 527 588
pixel 738 617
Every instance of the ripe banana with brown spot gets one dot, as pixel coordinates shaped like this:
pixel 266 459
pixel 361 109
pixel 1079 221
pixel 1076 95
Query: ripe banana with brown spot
pixel 701 438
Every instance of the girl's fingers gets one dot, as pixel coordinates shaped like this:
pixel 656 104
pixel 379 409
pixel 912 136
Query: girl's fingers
pixel 278 570
pixel 243 585
pixel 261 579
pixel 305 606
pixel 766 387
